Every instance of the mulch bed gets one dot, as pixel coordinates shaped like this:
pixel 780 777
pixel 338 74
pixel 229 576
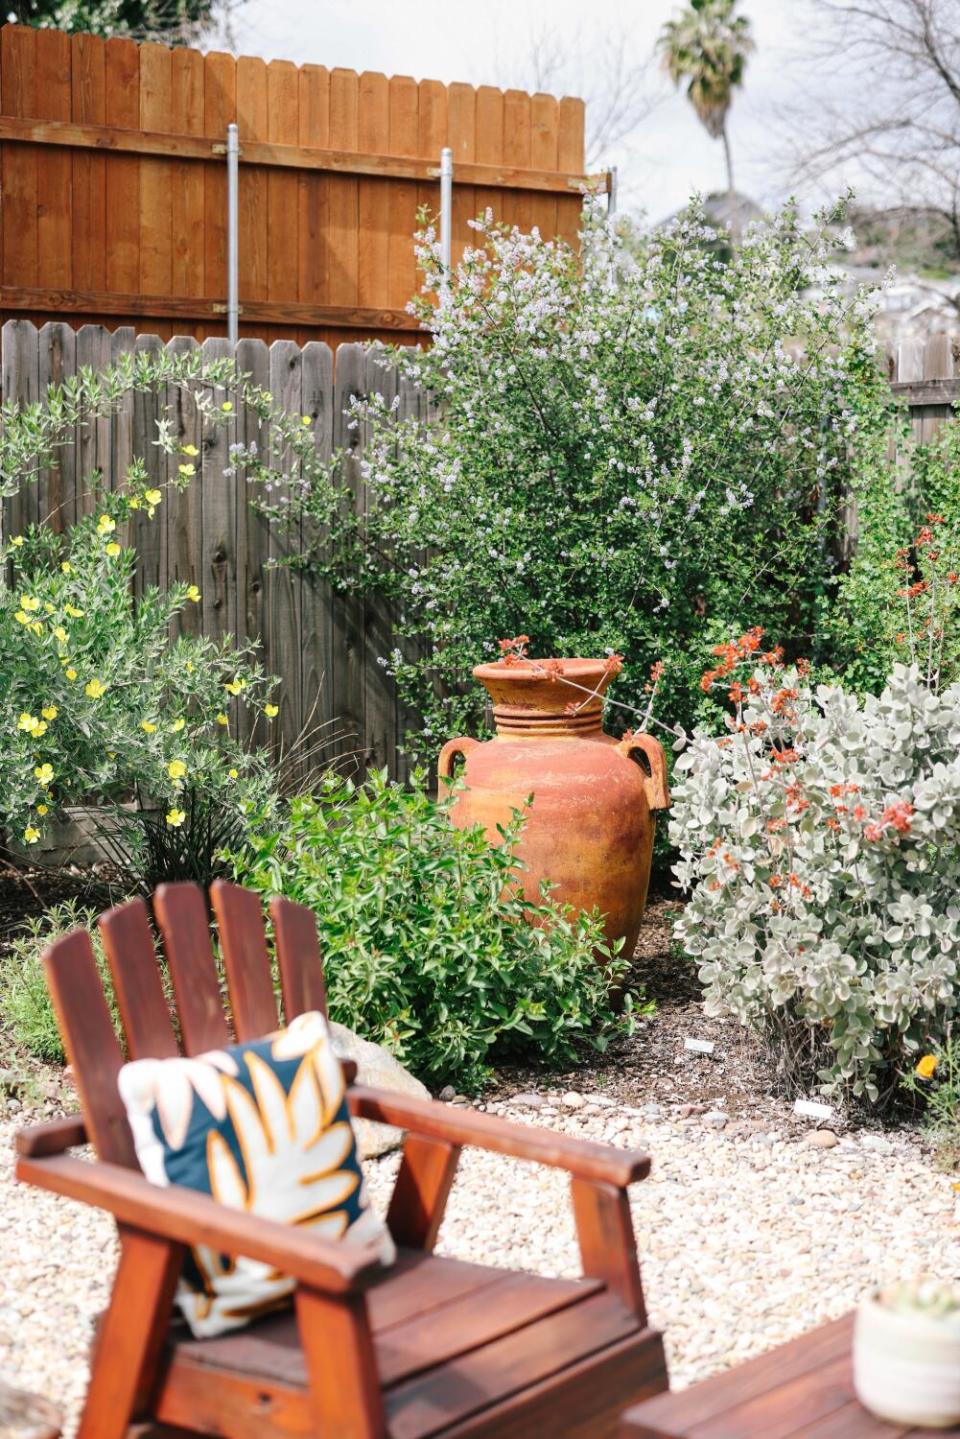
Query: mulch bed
pixel 653 1065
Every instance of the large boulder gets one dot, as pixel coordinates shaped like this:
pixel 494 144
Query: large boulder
pixel 377 1067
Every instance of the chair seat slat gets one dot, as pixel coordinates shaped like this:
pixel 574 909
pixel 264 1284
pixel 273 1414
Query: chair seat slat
pixel 246 959
pixel 128 945
pixel 298 958
pixel 181 913
pixel 91 1044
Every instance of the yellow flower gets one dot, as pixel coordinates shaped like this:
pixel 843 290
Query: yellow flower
pixel 21 618
pixel 176 769
pixel 236 686
pixel 113 549
pixel 189 450
pixel 38 729
pixel 271 710
pixel 193 593
pixel 105 525
pixel 232 773
pixel 226 407
pixel 41 809
pixel 187 469
pixel 73 612
pixel 177 725
pixel 147 727
pixel 222 718
pixel 17 540
pixel 49 712
pixel 95 689
pixel 29 602
pixel 307 419
pixel 66 567
pixel 926 1066
pixel 71 673
pixel 60 634
pixel 44 773
pixel 48 607
pixel 37 627
pixel 31 835
pixel 152 497
pixel 134 503
pixel 175 818
pixel 26 721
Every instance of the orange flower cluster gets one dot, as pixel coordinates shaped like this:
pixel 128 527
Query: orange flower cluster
pixel 513 651
pixel 898 816
pixel 731 655
pixel 780 704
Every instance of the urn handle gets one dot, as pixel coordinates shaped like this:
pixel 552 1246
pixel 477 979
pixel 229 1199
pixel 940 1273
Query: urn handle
pixel 654 783
pixel 448 754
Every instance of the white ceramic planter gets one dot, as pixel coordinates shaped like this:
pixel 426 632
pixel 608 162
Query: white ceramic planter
pixel 906 1367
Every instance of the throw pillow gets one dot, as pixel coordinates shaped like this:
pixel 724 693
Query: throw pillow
pixel 261 1126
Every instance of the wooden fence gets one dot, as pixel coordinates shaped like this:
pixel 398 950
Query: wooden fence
pixel 926 376
pixel 324 647
pixel 113 180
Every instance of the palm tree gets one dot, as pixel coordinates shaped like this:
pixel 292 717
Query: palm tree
pixel 707 46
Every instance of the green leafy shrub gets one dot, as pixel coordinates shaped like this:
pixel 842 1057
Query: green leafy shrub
pixel 99 704
pixel 426 944
pixel 635 445
pixel 819 838
pixel 935 1078
pixel 24 1000
pixel 900 598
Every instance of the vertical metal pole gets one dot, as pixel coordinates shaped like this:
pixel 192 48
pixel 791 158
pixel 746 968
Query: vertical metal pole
pixel 233 220
pixel 612 194
pixel 446 217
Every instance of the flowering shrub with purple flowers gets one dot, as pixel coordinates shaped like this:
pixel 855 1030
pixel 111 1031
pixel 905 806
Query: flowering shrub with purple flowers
pixel 626 450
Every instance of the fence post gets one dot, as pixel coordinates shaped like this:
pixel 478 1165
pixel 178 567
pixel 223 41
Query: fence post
pixel 233 223
pixel 446 217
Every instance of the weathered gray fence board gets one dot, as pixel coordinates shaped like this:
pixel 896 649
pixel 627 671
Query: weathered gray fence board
pixel 282 588
pixel 348 631
pixel 316 633
pixel 322 647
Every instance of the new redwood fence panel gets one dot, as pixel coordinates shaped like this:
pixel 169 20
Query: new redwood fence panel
pixel 113 179
pixel 324 648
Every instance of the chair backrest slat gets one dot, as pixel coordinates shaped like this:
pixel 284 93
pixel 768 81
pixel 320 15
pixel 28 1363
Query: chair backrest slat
pixel 128 945
pixel 298 958
pixel 246 959
pixel 91 1044
pixel 181 914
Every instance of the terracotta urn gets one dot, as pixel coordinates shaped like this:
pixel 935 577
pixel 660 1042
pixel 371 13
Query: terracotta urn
pixel 590 827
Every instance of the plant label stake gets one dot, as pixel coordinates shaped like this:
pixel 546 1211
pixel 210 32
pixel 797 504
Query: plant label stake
pixel 812 1109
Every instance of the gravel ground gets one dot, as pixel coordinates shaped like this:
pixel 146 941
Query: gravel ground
pixel 753 1225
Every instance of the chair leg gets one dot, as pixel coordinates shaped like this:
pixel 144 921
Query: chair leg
pixel 129 1346
pixel 345 1397
pixel 427 1172
pixel 607 1244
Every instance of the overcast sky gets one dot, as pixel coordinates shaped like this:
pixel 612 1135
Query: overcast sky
pixel 492 42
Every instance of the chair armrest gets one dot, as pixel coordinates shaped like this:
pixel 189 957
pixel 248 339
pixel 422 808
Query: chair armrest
pixel 580 1157
pixel 53 1136
pixel 188 1217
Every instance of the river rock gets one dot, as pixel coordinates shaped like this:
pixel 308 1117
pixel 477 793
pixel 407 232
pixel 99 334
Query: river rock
pixel 377 1067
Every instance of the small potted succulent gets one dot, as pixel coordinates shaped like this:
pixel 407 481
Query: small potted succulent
pixel 906 1354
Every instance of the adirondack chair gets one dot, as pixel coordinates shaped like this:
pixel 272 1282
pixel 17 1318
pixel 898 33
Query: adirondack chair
pixel 428 1346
